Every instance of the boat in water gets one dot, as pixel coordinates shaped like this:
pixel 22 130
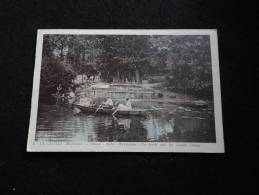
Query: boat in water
pixel 96 109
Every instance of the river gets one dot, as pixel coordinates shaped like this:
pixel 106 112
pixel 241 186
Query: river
pixel 169 123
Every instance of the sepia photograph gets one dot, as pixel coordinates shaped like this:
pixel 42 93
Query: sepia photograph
pixel 126 91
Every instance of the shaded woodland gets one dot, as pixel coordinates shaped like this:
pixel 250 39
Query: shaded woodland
pixel 183 60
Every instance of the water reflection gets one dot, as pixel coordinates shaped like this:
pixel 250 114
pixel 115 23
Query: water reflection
pixel 59 124
pixel 123 123
pixel 158 128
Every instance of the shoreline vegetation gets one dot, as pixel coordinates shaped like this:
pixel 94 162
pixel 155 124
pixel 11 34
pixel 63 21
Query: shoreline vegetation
pixel 176 68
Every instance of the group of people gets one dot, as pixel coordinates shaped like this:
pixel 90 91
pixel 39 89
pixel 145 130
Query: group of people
pixel 63 97
pixel 107 104
pixel 70 97
pixel 120 106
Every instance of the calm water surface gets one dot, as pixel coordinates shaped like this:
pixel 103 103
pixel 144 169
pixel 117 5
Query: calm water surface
pixel 168 123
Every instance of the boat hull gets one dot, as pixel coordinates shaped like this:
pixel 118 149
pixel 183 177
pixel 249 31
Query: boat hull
pixel 134 112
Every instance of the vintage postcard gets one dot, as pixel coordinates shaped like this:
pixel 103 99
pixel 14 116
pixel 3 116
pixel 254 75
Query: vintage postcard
pixel 126 91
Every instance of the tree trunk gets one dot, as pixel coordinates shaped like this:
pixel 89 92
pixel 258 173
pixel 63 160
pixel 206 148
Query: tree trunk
pixel 137 76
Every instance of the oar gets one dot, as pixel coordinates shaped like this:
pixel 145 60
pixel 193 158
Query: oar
pixel 98 108
pixel 114 117
pixel 116 110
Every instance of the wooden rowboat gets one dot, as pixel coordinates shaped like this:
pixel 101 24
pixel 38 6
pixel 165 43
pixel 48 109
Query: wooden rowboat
pixel 133 112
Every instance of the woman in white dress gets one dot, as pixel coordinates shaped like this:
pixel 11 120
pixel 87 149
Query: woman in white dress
pixel 128 106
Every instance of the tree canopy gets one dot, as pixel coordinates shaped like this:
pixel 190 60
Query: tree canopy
pixel 185 60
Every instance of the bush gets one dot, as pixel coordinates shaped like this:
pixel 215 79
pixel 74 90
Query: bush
pixel 160 95
pixel 193 80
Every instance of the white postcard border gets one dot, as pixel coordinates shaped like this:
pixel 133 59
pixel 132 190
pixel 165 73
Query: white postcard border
pixel 42 146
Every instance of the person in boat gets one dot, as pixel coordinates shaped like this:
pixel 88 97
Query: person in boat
pixel 128 103
pixel 127 106
pixel 88 102
pixel 108 103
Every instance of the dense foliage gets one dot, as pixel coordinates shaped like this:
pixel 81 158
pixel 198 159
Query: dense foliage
pixel 185 61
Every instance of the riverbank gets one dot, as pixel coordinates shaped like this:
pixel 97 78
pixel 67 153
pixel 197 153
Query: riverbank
pixel 138 92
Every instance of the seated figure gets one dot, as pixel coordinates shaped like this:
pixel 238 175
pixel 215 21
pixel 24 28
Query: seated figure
pixel 108 103
pixel 86 102
pixel 128 106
